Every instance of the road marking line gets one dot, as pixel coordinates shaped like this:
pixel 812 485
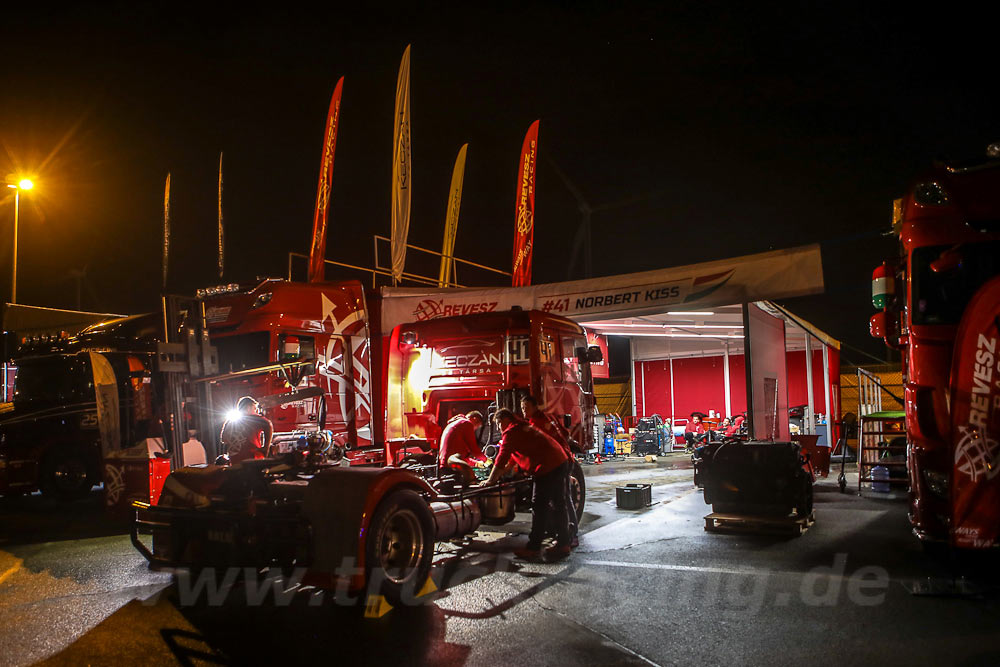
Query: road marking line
pixel 724 570
pixel 665 566
pixel 17 566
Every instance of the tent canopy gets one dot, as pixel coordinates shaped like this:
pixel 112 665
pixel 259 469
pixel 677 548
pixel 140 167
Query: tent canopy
pixel 771 275
pixel 679 334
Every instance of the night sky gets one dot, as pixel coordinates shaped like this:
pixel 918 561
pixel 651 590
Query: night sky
pixel 708 130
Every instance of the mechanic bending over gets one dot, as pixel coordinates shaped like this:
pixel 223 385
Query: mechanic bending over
pixel 545 460
pixel 546 424
pixel 241 434
pixel 460 449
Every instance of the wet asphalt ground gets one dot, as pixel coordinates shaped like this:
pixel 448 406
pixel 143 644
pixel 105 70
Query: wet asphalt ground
pixel 645 586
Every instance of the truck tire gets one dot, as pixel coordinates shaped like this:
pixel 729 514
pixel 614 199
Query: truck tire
pixel 400 546
pixel 578 489
pixel 67 475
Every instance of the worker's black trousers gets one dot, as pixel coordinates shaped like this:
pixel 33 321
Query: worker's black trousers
pixel 549 508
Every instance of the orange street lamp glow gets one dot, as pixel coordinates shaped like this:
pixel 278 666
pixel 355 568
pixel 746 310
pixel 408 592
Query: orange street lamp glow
pixel 25 184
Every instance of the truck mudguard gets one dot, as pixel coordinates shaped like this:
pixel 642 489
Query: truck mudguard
pixel 339 504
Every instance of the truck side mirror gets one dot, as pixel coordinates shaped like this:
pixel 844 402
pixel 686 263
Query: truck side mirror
pixel 947 261
pixel 877 324
pixel 594 354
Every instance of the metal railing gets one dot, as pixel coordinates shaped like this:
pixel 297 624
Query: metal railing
pixel 870 393
pixel 388 269
pixel 380 270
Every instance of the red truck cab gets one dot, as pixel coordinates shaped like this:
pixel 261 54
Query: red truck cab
pixel 440 368
pixel 947 272
pixel 321 332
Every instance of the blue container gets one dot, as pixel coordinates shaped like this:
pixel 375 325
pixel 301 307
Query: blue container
pixel 880 479
pixel 609 444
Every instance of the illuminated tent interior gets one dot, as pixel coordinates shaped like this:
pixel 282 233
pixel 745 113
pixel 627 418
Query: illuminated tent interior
pixel 685 361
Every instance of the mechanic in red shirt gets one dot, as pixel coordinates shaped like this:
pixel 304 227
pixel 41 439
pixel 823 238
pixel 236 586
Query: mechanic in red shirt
pixel 545 460
pixel 551 427
pixel 460 449
pixel 545 423
pixel 241 434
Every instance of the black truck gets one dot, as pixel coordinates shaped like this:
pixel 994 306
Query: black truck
pixel 51 434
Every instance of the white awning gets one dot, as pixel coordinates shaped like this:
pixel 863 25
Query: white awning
pixel 771 275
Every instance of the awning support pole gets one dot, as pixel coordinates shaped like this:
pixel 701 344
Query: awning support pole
pixel 642 380
pixel 631 349
pixel 725 370
pixel 810 416
pixel 826 389
pixel 671 399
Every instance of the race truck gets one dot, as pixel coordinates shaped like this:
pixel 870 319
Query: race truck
pixel 939 303
pixel 350 495
pixel 79 402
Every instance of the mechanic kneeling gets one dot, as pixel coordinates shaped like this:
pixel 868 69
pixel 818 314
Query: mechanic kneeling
pixel 544 459
pixel 460 450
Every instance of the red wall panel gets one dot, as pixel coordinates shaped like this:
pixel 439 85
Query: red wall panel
pixel 797 394
pixel 656 399
pixel 700 385
pixel 737 384
pixel 637 384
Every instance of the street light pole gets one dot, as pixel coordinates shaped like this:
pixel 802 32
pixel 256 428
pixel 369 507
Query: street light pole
pixel 23 184
pixel 13 285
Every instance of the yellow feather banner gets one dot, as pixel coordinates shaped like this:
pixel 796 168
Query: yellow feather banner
pixel 447 274
pixel 401 173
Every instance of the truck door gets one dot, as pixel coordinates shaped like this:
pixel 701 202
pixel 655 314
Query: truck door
pixel 575 391
pixel 336 373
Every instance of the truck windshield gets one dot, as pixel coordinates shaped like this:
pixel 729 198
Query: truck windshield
pixel 60 380
pixel 940 298
pixel 237 353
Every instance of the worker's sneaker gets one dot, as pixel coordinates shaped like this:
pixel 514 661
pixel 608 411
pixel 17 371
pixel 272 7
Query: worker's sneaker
pixel 527 553
pixel 575 542
pixel 557 552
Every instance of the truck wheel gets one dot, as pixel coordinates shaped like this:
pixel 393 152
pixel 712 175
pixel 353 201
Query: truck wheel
pixel 577 489
pixel 400 546
pixel 67 476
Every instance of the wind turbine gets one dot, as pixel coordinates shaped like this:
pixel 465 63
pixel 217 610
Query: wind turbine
pixel 584 235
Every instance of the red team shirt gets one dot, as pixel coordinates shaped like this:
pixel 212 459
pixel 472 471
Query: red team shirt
pixel 243 437
pixel 551 429
pixel 533 451
pixel 459 437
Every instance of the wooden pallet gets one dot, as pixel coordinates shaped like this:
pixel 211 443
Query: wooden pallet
pixel 718 522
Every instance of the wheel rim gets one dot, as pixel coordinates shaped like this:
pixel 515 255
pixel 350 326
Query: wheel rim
pixel 69 474
pixel 401 546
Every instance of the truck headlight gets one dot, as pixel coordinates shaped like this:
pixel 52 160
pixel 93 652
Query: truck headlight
pixel 937 482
